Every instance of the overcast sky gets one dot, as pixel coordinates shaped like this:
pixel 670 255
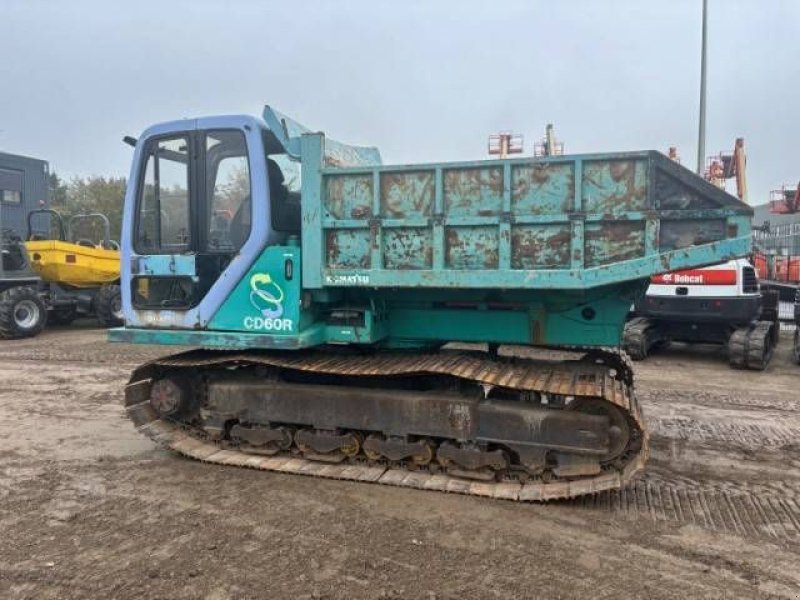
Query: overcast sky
pixel 421 80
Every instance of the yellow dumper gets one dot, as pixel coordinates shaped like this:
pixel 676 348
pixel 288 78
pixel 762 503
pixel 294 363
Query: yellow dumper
pixel 80 275
pixel 71 264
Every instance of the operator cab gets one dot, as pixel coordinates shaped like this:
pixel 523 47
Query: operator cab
pixel 208 196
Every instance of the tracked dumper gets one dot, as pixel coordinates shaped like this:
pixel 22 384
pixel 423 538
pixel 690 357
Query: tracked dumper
pixel 319 289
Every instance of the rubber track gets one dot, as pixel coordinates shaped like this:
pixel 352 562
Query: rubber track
pixel 568 378
pixel 750 347
pixel 635 339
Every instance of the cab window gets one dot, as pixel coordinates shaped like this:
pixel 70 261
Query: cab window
pixel 284 190
pixel 228 191
pixel 163 224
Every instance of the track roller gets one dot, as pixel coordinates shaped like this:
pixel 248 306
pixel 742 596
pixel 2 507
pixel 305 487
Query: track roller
pixel 470 461
pixel 396 448
pixel 256 439
pixel 327 446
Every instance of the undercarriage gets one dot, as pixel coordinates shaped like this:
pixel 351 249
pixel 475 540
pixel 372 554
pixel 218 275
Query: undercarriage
pixel 750 346
pixel 471 423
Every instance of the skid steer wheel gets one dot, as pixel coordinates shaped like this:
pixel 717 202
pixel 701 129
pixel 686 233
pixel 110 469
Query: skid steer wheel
pixel 22 313
pixel 108 306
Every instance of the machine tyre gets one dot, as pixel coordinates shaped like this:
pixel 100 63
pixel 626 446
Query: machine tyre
pixel 22 313
pixel 108 306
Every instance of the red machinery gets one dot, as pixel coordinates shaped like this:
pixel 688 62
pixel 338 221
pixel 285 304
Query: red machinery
pixel 726 166
pixel 779 260
pixel 785 201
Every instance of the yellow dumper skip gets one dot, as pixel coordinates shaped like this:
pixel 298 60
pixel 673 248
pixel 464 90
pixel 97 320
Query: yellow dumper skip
pixel 74 265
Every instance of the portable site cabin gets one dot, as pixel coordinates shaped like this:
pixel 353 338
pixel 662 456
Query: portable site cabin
pixel 23 188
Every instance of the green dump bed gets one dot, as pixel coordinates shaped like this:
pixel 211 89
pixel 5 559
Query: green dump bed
pixel 558 222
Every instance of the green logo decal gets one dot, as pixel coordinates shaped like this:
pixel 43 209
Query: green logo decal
pixel 266 296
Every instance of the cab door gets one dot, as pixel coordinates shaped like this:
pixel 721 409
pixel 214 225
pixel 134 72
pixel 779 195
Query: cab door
pixel 189 233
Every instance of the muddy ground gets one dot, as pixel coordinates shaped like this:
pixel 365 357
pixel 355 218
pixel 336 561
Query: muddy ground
pixel 89 509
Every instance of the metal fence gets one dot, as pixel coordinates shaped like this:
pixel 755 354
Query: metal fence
pixel 782 240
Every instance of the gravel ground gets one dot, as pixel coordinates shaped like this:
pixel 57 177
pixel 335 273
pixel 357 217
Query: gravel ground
pixel 90 509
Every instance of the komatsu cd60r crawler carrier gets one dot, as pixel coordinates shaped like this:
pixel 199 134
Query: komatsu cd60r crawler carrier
pixel 321 287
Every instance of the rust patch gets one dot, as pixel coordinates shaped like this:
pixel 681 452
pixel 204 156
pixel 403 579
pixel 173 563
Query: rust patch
pixel 672 194
pixel 347 248
pixel 682 233
pixel 609 242
pixel 620 170
pixel 407 194
pixel 472 248
pixel 331 247
pixel 613 187
pixel 540 246
pixel 539 189
pixel 541 173
pixel 470 192
pixel 408 248
pixel 360 212
pixel 349 196
pixel 374 230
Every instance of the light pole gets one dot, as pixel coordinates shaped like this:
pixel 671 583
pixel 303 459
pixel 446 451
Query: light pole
pixel 701 134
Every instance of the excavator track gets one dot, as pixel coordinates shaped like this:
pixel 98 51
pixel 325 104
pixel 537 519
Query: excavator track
pixel 638 337
pixel 591 391
pixel 752 347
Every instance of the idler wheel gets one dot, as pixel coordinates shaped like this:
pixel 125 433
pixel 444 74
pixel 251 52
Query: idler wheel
pixel 171 397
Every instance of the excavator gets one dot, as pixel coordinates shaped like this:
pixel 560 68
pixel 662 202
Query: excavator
pixel 352 320
pixel 721 304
